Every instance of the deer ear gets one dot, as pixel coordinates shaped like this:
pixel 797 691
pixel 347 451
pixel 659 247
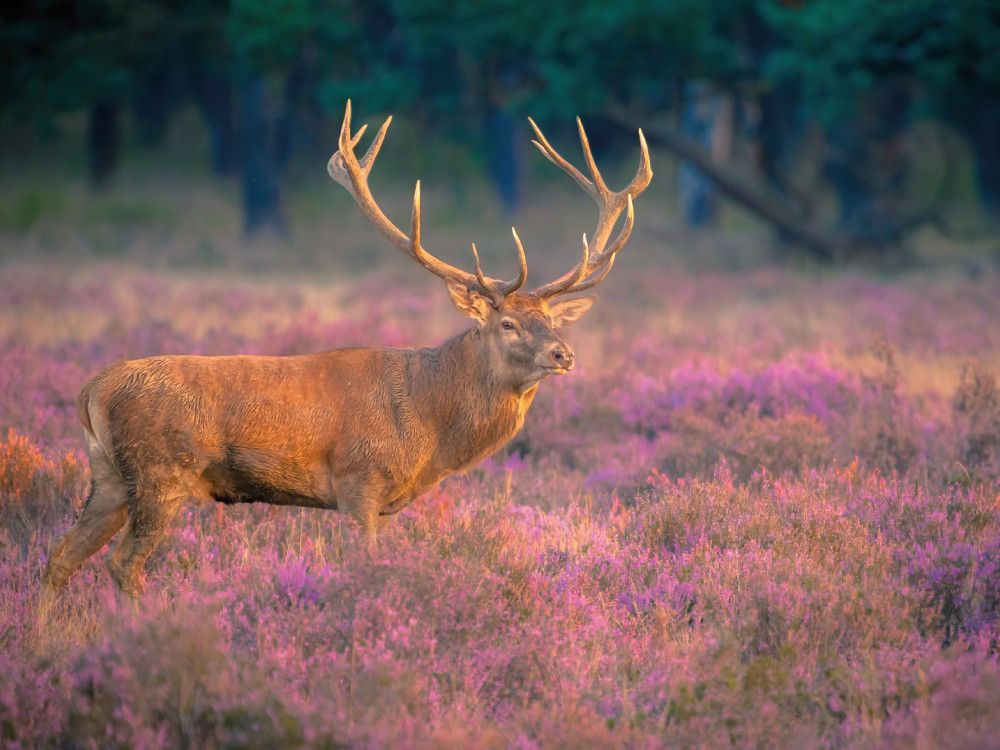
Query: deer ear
pixel 467 302
pixel 567 312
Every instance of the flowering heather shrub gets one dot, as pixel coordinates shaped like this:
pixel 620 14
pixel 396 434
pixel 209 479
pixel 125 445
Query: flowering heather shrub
pixel 886 428
pixel 798 412
pixel 744 529
pixel 976 413
pixel 36 491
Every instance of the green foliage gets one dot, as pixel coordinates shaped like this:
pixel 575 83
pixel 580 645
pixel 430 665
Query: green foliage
pixel 31 208
pixel 841 50
pixel 266 34
pixel 862 68
pixel 130 212
pixel 563 59
pixel 633 50
pixel 560 59
pixel 62 56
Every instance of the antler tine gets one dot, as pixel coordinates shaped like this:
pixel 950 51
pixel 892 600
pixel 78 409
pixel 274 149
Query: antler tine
pixel 576 280
pixel 336 167
pixel 607 259
pixel 502 289
pixel 568 279
pixel 610 204
pixel 595 280
pixel 553 156
pixel 346 139
pixel 415 248
pixel 626 230
pixel 522 271
pixel 591 164
pixel 369 158
pixel 478 269
pixel 345 168
pixel 645 171
pixel 598 260
pixel 436 266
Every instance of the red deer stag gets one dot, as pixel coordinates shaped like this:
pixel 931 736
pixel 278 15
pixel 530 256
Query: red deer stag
pixel 362 430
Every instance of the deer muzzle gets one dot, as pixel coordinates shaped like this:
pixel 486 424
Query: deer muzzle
pixel 558 358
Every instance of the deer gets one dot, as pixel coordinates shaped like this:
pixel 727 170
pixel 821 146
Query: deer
pixel 361 430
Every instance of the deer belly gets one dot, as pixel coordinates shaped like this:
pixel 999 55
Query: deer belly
pixel 252 476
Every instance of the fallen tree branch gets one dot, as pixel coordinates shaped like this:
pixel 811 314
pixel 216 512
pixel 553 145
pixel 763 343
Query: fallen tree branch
pixel 752 197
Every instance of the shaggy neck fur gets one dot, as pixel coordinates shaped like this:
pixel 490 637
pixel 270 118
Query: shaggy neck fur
pixel 477 412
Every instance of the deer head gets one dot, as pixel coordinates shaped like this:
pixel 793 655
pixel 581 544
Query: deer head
pixel 517 328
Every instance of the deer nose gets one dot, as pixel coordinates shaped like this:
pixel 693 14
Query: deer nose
pixel 562 357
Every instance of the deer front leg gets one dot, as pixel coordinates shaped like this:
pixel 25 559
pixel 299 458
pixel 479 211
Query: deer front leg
pixel 361 502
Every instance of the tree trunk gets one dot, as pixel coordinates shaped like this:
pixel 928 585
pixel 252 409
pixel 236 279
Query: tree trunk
pixel 699 202
pixel 753 197
pixel 153 99
pixel 213 91
pixel 502 157
pixel 984 132
pixel 779 135
pixel 288 121
pixel 260 172
pixel 868 166
pixel 103 142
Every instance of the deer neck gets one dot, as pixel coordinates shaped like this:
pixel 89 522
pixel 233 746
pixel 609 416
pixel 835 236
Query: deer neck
pixel 472 405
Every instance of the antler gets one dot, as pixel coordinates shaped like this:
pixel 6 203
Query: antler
pixel 596 262
pixel 345 168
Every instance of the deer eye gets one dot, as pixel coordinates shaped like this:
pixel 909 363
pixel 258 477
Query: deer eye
pixel 508 325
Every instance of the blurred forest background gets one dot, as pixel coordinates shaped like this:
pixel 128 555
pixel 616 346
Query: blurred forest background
pixel 839 128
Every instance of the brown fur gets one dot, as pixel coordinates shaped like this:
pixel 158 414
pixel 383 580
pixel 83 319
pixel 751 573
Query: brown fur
pixel 362 430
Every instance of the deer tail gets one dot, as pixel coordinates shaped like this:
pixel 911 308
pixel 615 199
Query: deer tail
pixel 83 406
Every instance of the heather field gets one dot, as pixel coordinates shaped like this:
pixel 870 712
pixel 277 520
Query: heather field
pixel 763 511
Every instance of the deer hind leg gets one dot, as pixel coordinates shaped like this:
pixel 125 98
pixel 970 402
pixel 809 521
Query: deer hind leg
pixel 103 515
pixel 149 517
